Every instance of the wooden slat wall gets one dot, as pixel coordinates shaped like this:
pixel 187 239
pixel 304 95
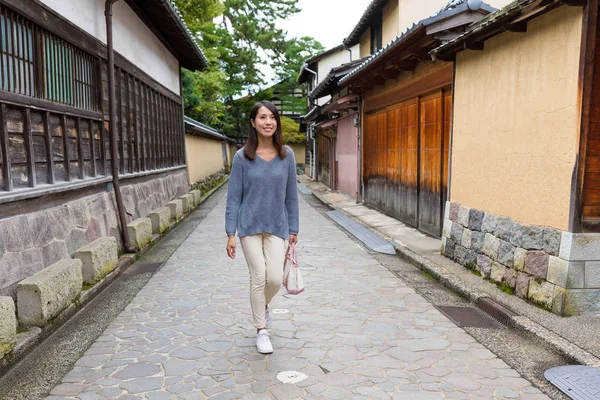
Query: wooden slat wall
pixel 409 161
pixel 55 143
pixel 591 180
pixel 324 157
pixel 405 159
pixel 430 162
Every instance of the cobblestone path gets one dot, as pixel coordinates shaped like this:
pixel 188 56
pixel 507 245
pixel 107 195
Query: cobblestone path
pixel 358 332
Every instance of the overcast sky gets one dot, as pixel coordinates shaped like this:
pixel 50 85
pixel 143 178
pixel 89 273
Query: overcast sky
pixel 328 21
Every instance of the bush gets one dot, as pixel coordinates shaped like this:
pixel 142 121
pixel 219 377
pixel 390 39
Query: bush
pixel 210 182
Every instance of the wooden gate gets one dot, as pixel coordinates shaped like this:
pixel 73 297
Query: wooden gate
pixel 324 159
pixel 406 160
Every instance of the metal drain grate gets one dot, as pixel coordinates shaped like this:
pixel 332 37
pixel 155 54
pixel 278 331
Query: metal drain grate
pixel 471 317
pixel 496 311
pixel 304 189
pixel 370 239
pixel 579 382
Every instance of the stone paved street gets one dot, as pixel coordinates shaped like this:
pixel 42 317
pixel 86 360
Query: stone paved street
pixel 358 332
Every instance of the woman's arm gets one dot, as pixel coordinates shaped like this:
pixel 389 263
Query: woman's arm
pixel 234 195
pixel 291 196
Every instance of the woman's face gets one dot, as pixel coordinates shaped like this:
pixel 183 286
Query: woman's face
pixel 265 122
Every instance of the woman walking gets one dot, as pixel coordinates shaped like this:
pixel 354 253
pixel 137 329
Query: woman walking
pixel 262 204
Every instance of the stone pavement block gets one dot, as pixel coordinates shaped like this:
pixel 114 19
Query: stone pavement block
pixel 8 325
pixel 187 202
pixel 176 208
pixel 44 295
pixel 98 259
pixel 140 232
pixel 161 217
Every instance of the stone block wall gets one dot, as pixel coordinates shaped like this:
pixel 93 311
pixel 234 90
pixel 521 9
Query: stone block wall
pixel 557 270
pixel 30 242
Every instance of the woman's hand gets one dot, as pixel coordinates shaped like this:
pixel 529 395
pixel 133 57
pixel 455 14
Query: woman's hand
pixel 293 238
pixel 231 247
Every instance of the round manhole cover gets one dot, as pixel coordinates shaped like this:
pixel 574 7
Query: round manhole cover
pixel 291 376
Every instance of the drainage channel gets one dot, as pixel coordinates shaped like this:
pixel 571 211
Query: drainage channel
pixel 487 321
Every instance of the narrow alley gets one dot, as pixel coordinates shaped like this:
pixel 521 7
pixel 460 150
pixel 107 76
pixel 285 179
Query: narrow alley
pixel 356 332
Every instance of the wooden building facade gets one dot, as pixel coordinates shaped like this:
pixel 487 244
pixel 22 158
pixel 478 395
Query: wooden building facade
pixel 406 113
pixel 525 152
pixel 56 191
pixel 54 118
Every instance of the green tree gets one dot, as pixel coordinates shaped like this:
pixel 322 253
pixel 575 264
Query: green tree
pixel 291 131
pixel 234 35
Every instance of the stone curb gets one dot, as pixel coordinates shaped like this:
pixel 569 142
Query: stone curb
pixel 35 335
pixel 450 281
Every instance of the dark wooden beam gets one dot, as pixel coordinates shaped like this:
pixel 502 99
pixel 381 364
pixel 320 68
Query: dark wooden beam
pixel 474 46
pixel 420 54
pixel 6 172
pixel 92 144
pixel 519 27
pixel 575 3
pixel 66 160
pixel 49 153
pixel 27 135
pixel 586 78
pixel 390 73
pixel 79 147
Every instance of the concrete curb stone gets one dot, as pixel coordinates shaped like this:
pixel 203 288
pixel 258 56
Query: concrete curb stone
pixel 98 258
pixel 44 295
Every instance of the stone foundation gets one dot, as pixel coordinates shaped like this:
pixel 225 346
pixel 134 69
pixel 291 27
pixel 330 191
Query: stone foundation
pixel 557 270
pixel 32 241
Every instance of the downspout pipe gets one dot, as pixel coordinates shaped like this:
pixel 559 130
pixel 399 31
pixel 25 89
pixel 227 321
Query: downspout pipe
pixel 113 127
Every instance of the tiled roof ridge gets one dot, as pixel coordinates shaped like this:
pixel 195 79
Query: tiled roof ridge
pixel 177 13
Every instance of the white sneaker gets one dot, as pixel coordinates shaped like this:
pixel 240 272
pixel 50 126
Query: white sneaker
pixel 268 318
pixel 263 343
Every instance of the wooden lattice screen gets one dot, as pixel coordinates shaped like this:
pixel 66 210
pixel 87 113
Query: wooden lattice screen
pixel 54 118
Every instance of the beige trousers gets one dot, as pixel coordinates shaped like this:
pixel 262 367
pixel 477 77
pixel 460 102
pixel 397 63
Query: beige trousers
pixel 265 255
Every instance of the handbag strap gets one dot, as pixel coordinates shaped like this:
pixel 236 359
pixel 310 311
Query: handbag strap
pixel 292 255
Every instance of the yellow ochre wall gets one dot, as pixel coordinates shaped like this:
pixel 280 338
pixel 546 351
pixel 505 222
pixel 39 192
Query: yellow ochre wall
pixel 365 43
pixel 204 157
pixel 412 11
pixel 516 121
pixel 299 152
pixel 389 22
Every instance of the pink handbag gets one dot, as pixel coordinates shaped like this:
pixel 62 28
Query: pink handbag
pixel 292 279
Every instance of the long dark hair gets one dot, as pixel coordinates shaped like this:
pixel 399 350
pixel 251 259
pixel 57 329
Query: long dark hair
pixel 252 142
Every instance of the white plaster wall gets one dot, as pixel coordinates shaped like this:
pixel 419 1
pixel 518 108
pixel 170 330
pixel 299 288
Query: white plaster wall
pixel 326 64
pixel 132 39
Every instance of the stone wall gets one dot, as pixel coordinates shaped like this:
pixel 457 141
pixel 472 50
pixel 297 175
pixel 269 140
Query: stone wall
pixel 557 270
pixel 35 240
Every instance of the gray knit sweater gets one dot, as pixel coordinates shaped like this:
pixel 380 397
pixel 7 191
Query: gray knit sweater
pixel 262 196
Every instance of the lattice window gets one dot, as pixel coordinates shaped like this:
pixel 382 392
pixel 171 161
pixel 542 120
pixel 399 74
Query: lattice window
pixel 17 72
pixel 68 74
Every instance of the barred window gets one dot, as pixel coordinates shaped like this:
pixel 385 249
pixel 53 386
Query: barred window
pixel 68 74
pixel 17 63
